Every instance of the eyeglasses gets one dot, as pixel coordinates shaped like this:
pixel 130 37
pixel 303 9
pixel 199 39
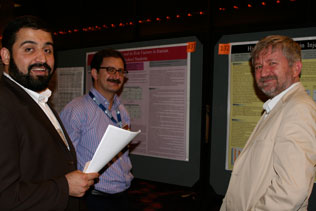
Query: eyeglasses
pixel 113 70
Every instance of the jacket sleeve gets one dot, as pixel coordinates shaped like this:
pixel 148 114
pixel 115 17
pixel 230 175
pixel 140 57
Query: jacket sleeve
pixel 294 159
pixel 16 192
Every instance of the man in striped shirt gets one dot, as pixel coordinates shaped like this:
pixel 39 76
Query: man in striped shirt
pixel 86 118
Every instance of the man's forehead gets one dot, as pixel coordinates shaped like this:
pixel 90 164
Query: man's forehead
pixel 268 50
pixel 33 35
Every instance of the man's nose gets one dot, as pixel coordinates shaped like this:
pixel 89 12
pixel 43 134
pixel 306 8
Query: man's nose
pixel 41 57
pixel 266 70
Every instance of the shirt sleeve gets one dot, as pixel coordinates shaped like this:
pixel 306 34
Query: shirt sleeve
pixel 72 123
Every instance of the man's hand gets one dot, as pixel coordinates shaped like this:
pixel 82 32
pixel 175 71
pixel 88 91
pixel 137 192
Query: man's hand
pixel 80 182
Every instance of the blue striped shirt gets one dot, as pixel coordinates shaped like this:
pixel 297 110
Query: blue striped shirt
pixel 86 123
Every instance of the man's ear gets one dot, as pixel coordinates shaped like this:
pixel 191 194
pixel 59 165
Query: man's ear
pixel 94 74
pixel 297 67
pixel 5 56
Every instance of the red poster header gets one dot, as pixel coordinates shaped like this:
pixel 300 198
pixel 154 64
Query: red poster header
pixel 152 54
pixel 155 54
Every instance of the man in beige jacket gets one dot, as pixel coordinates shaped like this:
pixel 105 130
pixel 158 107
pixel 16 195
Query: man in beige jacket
pixel 276 168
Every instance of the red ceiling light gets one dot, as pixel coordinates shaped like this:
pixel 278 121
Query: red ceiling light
pixel 130 23
pixel 249 5
pixel 263 3
pixel 236 7
pixel 278 1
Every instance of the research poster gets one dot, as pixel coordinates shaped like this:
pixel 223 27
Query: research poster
pixel 156 95
pixel 245 102
pixel 68 84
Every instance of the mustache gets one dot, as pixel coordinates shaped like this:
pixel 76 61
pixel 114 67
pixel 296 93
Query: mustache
pixel 263 79
pixel 118 81
pixel 47 67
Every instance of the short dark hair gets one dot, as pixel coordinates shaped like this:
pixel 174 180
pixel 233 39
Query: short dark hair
pixel 27 21
pixel 105 53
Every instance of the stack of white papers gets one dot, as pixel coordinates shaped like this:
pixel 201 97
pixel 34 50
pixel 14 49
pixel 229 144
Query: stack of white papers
pixel 113 141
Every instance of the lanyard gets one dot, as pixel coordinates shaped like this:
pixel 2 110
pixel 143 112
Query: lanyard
pixel 106 111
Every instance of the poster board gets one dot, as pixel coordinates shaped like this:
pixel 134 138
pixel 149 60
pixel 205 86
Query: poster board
pixel 183 166
pixel 156 97
pixel 68 84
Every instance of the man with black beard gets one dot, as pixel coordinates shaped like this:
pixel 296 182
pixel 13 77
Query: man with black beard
pixel 37 159
pixel 86 118
pixel 36 84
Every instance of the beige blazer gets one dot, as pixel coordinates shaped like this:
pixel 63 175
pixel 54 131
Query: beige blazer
pixel 275 170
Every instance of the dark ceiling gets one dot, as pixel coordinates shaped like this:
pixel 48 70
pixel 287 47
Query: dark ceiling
pixel 84 23
pixel 90 23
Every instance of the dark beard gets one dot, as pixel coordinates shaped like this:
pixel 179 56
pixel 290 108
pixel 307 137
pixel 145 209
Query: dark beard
pixel 37 83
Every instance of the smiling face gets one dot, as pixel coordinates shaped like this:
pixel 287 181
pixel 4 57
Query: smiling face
pixel 108 84
pixel 273 73
pixel 31 62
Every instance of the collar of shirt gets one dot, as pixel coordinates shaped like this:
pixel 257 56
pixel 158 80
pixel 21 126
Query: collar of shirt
pixel 270 104
pixel 39 98
pixel 101 99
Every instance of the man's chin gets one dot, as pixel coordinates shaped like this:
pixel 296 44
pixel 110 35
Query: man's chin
pixel 269 92
pixel 37 83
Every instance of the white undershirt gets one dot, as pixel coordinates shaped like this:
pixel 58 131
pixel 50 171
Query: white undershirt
pixel 270 104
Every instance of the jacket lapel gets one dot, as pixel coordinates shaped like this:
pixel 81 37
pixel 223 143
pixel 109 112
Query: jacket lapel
pixel 64 130
pixel 263 120
pixel 37 112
